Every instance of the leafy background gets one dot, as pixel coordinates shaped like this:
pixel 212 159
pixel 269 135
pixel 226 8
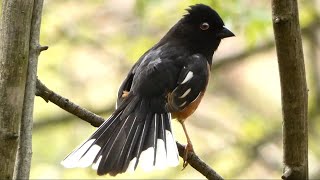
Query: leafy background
pixel 236 129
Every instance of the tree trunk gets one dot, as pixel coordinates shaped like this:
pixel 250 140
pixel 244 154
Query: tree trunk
pixel 24 155
pixel 293 88
pixel 14 52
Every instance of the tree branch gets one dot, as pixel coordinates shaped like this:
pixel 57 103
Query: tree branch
pixel 66 118
pixel 96 121
pixel 24 155
pixel 67 105
pixel 294 92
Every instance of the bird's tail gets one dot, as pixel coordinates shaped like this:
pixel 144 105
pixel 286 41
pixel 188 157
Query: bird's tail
pixel 132 135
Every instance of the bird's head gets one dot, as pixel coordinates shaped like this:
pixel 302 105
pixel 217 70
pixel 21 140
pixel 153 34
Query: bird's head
pixel 202 26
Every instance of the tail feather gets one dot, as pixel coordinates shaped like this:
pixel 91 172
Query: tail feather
pixel 113 147
pixel 128 109
pixel 118 166
pixel 103 140
pixel 172 150
pixel 162 128
pixel 72 160
pixel 155 136
pixel 130 160
pixel 161 149
pixel 132 137
pixel 106 130
pixel 142 139
pixel 101 137
pixel 147 157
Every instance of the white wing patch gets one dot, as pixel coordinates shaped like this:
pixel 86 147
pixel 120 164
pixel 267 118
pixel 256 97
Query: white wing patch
pixel 188 77
pixel 185 93
pixel 184 103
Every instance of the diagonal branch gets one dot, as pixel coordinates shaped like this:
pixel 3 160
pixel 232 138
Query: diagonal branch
pixel 67 105
pixel 96 121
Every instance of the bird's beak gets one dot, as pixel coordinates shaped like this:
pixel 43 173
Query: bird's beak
pixel 224 33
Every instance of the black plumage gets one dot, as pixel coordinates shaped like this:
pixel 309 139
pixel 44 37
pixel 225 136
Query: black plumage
pixel 164 81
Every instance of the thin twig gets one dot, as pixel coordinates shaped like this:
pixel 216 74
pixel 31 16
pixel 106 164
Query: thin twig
pixel 67 105
pixel 96 121
pixel 63 118
pixel 43 48
pixel 198 164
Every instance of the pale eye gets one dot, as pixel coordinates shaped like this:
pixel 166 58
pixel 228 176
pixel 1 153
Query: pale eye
pixel 204 26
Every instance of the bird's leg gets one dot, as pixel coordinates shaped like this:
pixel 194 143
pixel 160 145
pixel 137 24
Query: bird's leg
pixel 188 147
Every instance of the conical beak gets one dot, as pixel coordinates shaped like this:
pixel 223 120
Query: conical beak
pixel 224 33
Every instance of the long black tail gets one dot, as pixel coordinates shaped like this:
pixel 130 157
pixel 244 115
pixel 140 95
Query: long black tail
pixel 132 135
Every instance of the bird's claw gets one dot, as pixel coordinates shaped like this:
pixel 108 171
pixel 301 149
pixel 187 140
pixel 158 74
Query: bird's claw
pixel 187 150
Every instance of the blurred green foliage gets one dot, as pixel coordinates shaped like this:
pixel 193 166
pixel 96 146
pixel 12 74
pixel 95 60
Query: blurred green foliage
pixel 236 130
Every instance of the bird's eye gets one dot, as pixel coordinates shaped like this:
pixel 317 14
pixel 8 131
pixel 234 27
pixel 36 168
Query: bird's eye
pixel 204 26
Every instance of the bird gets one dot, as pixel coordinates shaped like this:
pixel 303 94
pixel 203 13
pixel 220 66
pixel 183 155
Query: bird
pixel 167 82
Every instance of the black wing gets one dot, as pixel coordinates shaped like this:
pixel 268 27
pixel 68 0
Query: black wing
pixel 192 81
pixel 153 76
pixel 150 71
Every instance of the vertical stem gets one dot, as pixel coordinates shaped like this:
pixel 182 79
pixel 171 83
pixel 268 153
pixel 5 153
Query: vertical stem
pixel 293 88
pixel 22 169
pixel 14 52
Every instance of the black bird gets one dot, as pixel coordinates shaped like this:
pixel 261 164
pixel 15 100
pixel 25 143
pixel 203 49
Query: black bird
pixel 168 81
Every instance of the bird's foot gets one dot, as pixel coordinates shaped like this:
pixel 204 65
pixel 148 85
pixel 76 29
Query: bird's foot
pixel 187 150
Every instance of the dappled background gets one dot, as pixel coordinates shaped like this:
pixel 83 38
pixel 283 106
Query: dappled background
pixel 236 129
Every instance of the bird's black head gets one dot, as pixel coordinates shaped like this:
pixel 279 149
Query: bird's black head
pixel 202 28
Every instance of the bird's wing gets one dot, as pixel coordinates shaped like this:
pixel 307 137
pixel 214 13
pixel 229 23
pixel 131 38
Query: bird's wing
pixel 191 84
pixel 156 76
pixel 126 84
pixel 152 76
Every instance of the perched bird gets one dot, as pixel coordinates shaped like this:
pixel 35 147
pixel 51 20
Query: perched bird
pixel 168 81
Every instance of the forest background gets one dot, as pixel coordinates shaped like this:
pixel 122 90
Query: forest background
pixel 236 129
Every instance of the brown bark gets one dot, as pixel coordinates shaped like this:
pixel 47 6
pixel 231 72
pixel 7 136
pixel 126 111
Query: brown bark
pixel 14 52
pixel 293 88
